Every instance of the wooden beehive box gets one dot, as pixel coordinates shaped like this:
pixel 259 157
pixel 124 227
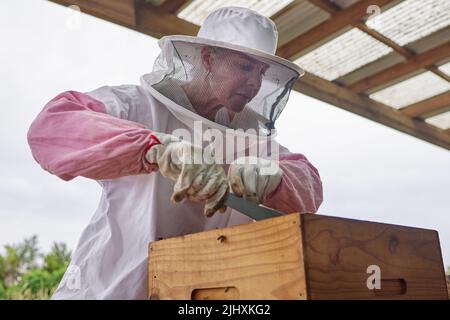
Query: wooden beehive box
pixel 299 256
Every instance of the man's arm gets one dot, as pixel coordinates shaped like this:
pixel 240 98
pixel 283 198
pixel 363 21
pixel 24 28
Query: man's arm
pixel 300 189
pixel 74 136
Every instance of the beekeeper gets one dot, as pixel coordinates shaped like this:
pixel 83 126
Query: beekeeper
pixel 226 79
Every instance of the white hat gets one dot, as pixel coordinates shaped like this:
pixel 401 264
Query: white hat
pixel 239 29
pixel 236 29
pixel 241 26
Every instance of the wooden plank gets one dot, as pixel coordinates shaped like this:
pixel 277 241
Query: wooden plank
pixel 172 6
pixel 346 99
pixel 385 40
pixel 327 28
pixel 423 60
pixel 387 61
pixel 297 20
pixel 326 5
pixel 431 41
pixel 118 11
pixel 144 18
pixel 439 73
pixel 157 24
pixel 338 252
pixel 430 105
pixel 231 262
pixel 289 7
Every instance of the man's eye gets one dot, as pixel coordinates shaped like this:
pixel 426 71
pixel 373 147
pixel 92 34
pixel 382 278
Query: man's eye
pixel 245 67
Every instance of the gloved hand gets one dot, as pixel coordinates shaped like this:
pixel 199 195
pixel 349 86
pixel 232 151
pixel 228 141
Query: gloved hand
pixel 194 179
pixel 254 178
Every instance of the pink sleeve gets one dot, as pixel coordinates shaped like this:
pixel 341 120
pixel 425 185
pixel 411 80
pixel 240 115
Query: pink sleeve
pixel 73 136
pixel 300 189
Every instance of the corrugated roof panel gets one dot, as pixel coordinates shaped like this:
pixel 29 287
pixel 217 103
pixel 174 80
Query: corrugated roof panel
pixel 445 68
pixel 369 69
pixel 441 120
pixel 197 10
pixel 412 19
pixel 344 3
pixel 298 20
pixel 429 42
pixel 343 54
pixel 415 89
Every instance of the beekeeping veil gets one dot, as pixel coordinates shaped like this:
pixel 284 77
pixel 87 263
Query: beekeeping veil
pixel 228 74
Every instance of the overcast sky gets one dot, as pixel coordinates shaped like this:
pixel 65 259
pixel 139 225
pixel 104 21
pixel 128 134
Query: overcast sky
pixel 369 171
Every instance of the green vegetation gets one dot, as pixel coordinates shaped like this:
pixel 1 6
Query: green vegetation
pixel 26 273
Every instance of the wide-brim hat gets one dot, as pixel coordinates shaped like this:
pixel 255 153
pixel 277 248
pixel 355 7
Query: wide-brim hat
pixel 239 29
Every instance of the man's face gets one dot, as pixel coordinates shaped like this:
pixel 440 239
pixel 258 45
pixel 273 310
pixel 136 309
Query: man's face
pixel 235 79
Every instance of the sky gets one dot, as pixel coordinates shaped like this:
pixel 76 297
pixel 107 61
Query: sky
pixel 369 171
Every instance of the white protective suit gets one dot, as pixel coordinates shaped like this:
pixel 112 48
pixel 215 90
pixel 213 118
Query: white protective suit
pixel 110 260
pixel 111 256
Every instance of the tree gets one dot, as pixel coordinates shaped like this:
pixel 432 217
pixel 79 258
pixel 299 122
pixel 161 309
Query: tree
pixel 25 275
pixel 58 258
pixel 19 259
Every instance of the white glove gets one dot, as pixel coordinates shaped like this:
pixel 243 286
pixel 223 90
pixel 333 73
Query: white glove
pixel 254 178
pixel 194 179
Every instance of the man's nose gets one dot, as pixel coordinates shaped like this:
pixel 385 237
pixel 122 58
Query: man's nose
pixel 254 80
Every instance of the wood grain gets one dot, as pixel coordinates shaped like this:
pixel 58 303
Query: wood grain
pixel 118 11
pixel 299 256
pixel 346 99
pixel 338 252
pixel 262 260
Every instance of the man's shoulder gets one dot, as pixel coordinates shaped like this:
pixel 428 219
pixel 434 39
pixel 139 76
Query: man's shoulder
pixel 123 91
pixel 120 100
pixel 128 94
